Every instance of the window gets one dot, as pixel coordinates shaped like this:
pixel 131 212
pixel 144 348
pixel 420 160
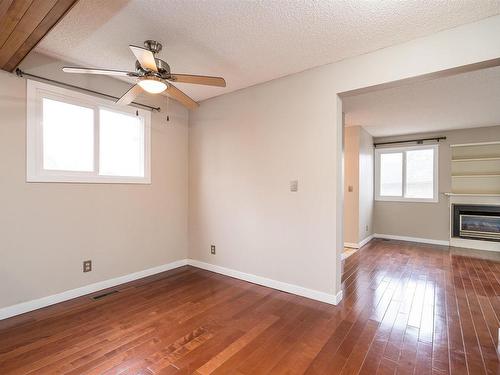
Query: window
pixel 407 174
pixel 73 137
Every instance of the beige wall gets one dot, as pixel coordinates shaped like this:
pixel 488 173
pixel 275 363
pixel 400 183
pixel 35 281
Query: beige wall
pixel 351 179
pixel 365 222
pixel 246 146
pixel 358 173
pixel 48 229
pixel 428 220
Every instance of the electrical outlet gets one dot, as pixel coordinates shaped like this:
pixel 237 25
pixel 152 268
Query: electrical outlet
pixel 212 249
pixel 294 186
pixel 366 228
pixel 87 265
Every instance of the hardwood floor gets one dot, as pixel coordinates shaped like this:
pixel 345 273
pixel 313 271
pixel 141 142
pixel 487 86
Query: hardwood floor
pixel 408 309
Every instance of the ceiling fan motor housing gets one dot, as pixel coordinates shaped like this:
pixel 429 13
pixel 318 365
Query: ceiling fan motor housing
pixel 153 46
pixel 162 66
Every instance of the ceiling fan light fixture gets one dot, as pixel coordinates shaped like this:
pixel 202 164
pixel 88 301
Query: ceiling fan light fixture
pixel 153 76
pixel 153 85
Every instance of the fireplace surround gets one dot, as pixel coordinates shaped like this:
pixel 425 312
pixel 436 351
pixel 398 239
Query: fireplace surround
pixel 477 222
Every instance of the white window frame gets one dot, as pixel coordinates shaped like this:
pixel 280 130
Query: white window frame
pixel 36 92
pixel 387 150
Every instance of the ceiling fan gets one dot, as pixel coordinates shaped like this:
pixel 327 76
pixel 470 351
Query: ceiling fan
pixel 153 76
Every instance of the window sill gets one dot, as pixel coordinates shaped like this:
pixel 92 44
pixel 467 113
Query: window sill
pixel 406 200
pixel 89 180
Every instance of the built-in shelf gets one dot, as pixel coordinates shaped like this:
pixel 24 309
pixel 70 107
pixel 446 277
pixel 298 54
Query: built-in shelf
pixel 475 168
pixel 472 194
pixel 477 175
pixel 476 159
pixel 475 144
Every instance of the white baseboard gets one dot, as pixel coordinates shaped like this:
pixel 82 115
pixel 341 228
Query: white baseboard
pixel 366 240
pixel 270 283
pixel 359 245
pixel 351 245
pixel 412 239
pixel 35 304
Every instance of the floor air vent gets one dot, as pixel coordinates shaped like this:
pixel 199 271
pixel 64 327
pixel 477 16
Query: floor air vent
pixel 99 296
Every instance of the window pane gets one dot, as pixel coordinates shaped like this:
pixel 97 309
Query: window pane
pixel 121 142
pixel 391 174
pixel 420 174
pixel 68 136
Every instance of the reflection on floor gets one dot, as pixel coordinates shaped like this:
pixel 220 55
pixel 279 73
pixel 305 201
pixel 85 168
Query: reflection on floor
pixel 408 309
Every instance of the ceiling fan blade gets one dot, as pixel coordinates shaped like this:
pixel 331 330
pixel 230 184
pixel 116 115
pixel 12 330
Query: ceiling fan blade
pixel 199 80
pixel 109 72
pixel 145 57
pixel 182 98
pixel 130 95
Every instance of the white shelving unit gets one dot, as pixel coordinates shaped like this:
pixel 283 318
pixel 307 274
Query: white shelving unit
pixel 476 168
pixel 476 159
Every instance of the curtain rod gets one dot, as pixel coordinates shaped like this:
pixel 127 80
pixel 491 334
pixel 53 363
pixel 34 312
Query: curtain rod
pixel 20 73
pixel 418 140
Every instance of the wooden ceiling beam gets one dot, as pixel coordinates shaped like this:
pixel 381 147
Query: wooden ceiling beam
pixel 23 23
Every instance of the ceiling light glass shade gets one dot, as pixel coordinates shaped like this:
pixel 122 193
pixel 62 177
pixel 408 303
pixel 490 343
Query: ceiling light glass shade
pixel 152 85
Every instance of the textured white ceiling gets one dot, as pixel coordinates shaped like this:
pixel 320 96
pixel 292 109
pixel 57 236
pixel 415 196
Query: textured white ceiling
pixel 248 41
pixel 462 101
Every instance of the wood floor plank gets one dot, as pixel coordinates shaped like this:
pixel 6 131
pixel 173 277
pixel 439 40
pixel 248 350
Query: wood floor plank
pixel 440 352
pixel 475 362
pixel 236 346
pixel 458 361
pixel 407 309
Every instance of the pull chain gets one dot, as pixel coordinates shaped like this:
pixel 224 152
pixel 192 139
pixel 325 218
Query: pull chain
pixel 168 109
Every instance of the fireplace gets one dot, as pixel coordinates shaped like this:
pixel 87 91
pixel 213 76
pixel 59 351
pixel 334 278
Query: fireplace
pixel 478 222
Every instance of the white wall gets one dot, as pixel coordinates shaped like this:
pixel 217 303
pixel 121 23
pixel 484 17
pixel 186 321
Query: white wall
pixel 358 174
pixel 366 176
pixel 351 181
pixel 366 165
pixel 246 146
pixel 48 229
